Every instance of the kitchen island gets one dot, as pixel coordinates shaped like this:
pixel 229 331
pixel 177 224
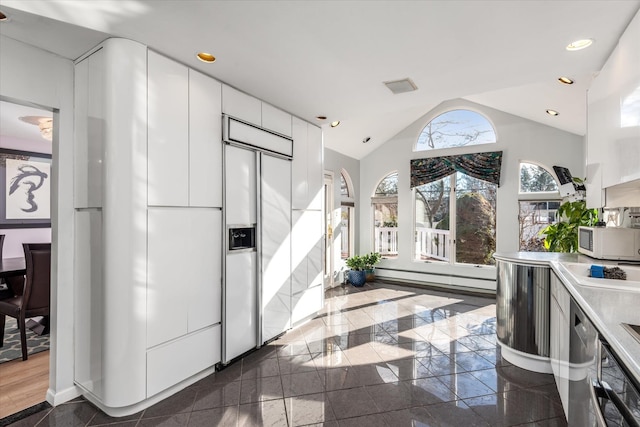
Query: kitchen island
pixel 578 304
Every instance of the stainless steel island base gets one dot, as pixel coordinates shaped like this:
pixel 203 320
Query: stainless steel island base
pixel 522 312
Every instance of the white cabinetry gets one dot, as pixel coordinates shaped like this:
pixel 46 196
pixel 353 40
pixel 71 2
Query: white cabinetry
pixel 559 338
pixel 205 141
pixel 148 152
pixel 168 128
pixel 308 240
pixel 306 265
pixel 183 299
pixel 185 136
pixel 251 110
pixel 613 119
pixel 307 166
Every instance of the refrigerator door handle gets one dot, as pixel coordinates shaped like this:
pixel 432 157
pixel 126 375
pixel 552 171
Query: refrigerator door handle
pixel 259 271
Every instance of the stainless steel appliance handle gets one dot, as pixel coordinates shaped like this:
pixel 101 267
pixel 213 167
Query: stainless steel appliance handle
pixel 620 405
pixel 593 391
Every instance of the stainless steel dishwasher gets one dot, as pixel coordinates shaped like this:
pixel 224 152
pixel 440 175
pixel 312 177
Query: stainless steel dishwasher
pixel 601 393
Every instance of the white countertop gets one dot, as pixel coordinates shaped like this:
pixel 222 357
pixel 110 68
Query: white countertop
pixel 607 308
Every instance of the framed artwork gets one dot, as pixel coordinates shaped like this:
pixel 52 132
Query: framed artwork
pixel 25 189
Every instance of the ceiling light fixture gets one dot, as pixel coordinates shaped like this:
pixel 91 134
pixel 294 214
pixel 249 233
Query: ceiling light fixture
pixel 367 139
pixel 45 124
pixel 552 113
pixel 206 57
pixel 3 17
pixel 321 118
pixel 579 44
pixel 565 80
pixel 335 124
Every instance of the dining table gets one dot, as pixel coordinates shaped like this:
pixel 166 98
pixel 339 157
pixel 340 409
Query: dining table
pixel 10 267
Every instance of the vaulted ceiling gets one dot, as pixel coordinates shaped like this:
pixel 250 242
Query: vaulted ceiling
pixel 330 58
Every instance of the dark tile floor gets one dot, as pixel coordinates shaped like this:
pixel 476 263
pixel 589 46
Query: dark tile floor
pixel 381 355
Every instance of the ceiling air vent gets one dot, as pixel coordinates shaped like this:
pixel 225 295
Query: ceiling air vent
pixel 401 86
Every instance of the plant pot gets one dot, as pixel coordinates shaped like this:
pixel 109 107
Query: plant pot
pixel 357 277
pixel 370 274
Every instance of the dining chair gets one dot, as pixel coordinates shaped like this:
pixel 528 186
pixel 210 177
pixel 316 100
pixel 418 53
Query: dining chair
pixel 34 301
pixel 1 244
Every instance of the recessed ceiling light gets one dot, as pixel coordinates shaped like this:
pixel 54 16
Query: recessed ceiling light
pixel 565 80
pixel 3 17
pixel 367 139
pixel 580 44
pixel 206 57
pixel 335 124
pixel 321 117
pixel 552 112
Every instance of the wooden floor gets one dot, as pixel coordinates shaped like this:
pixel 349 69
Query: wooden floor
pixel 23 384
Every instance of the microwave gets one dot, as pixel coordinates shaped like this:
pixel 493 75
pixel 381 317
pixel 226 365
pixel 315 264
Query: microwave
pixel 614 243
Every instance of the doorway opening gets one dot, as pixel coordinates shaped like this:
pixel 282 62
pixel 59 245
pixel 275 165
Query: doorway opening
pixel 26 148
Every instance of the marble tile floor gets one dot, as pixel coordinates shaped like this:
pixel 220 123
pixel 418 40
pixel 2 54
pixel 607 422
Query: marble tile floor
pixel 380 355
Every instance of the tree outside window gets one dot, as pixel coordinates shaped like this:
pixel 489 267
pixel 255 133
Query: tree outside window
pixel 537 207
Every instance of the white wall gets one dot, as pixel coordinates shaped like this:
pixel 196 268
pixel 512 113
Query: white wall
pixel 39 77
pixel 335 162
pixel 519 139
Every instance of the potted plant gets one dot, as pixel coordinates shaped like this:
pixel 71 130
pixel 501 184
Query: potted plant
pixel 370 260
pixel 356 274
pixel 562 236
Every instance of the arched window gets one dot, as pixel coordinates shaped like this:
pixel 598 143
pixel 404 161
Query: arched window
pixel 536 179
pixel 347 214
pixel 385 216
pixel 456 128
pixel 539 200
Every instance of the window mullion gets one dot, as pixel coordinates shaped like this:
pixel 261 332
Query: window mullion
pixel 452 219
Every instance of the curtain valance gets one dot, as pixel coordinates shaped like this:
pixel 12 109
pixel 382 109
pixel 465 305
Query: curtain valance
pixel 485 166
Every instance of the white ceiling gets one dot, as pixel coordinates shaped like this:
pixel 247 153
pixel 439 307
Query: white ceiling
pixel 330 57
pixel 20 135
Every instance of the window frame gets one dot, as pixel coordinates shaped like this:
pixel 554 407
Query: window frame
pixel 449 110
pixel 453 240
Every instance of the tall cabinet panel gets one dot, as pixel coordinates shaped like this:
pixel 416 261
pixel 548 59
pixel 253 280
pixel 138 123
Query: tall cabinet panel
pixel 307 243
pixel 314 168
pixel 179 300
pixel 276 245
pixel 168 127
pixel 299 165
pixel 111 154
pixel 205 141
pixel 89 122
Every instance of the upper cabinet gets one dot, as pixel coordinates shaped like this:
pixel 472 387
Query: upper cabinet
pixel 168 132
pixel 89 129
pixel 205 141
pixel 251 110
pixel 307 166
pixel 185 136
pixel 613 119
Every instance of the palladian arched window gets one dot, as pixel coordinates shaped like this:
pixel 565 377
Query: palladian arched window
pixel 456 128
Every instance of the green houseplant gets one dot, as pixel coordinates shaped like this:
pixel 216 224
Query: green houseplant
pixel 562 236
pixel 370 260
pixel 356 274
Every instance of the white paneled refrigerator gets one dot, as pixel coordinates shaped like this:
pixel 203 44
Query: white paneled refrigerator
pixel 257 291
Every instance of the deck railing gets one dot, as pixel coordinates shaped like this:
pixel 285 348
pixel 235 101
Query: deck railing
pixel 432 243
pixel 386 241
